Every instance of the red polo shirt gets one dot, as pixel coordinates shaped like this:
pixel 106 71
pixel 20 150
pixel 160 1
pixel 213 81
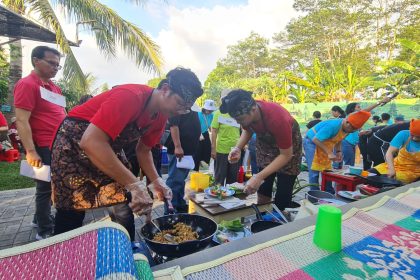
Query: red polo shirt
pixel 277 121
pixel 45 116
pixel 3 121
pixel 113 110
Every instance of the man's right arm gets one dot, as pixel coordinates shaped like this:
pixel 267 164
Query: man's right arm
pixel 25 134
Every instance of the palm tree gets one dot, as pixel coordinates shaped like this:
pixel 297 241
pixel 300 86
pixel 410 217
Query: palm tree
pixel 113 31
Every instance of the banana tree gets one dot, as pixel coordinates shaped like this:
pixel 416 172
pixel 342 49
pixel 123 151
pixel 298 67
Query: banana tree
pixel 400 76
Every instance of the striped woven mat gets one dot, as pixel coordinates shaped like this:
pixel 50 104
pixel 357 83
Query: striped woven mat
pixel 379 242
pixel 97 251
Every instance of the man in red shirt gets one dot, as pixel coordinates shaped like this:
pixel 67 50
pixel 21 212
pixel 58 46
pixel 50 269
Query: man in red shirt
pixel 89 167
pixel 278 145
pixel 38 114
pixel 3 123
pixel 3 129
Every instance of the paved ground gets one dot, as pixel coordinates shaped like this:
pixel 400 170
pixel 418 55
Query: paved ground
pixel 17 208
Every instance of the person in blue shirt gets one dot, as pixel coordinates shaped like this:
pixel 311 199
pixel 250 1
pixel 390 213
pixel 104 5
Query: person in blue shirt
pixel 204 148
pixel 348 146
pixel 386 119
pixel 402 160
pixel 323 142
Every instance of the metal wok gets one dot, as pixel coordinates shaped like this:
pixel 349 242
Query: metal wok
pixel 380 181
pixel 205 227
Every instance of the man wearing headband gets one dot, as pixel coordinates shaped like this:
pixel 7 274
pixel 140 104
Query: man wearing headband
pixel 406 165
pixel 89 169
pixel 278 145
pixel 323 138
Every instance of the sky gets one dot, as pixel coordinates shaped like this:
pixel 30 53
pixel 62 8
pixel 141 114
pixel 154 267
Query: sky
pixel 192 34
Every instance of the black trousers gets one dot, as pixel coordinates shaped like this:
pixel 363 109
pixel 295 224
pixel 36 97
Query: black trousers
pixel 285 183
pixel 66 220
pixel 363 146
pixel 376 150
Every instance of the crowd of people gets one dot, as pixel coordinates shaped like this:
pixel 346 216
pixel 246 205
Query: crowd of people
pixel 97 149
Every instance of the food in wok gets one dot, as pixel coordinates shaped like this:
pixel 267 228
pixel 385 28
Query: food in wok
pixel 181 233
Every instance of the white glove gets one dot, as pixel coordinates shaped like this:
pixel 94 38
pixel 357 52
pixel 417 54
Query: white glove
pixel 201 137
pixel 253 184
pixel 141 203
pixel 234 155
pixel 160 190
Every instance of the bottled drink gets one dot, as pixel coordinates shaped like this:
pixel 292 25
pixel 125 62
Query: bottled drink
pixel 241 175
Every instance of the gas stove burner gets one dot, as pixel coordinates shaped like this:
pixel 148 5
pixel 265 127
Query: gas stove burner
pixel 158 259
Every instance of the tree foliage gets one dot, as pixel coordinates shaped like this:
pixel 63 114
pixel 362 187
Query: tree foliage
pixel 335 50
pixel 4 73
pixel 111 32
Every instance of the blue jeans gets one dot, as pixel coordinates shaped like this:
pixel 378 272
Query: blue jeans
pixel 349 153
pixel 309 147
pixel 176 181
pixel 43 197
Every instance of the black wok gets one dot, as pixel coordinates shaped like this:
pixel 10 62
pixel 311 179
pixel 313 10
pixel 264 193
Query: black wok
pixel 261 225
pixel 205 228
pixel 379 181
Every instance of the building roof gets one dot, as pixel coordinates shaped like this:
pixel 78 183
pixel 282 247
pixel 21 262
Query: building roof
pixel 15 26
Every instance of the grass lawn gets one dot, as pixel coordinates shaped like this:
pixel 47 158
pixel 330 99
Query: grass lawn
pixel 10 178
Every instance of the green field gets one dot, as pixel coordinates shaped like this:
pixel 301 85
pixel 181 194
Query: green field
pixel 10 178
pixel 409 108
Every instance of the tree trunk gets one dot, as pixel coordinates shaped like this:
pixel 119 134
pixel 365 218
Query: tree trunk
pixel 15 73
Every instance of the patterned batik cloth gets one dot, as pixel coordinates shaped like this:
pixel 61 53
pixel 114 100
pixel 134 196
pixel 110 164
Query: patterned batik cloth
pixel 97 251
pixel 379 242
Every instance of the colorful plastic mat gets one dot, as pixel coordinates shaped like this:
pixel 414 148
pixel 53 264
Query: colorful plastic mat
pixel 96 251
pixel 379 242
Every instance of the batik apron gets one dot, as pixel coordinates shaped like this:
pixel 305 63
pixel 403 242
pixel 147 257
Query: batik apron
pixel 321 161
pixel 406 164
pixel 76 182
pixel 267 149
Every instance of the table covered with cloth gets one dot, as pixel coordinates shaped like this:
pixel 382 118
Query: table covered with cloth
pixel 100 250
pixel 381 241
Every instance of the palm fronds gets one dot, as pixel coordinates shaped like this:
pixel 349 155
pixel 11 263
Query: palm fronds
pixel 112 30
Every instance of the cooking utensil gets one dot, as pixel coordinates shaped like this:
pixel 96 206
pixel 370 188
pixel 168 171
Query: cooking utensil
pixel 167 236
pixel 205 228
pixel 315 195
pixel 260 224
pixel 272 215
pixel 379 181
pixel 280 213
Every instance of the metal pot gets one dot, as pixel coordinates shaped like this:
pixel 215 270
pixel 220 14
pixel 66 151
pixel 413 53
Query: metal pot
pixel 315 196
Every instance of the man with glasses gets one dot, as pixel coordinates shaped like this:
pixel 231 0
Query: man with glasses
pixel 89 168
pixel 38 114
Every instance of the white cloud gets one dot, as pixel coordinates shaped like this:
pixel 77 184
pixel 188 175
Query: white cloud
pixel 198 37
pixel 194 37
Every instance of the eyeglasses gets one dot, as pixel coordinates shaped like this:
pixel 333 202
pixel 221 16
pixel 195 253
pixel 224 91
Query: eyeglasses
pixel 52 64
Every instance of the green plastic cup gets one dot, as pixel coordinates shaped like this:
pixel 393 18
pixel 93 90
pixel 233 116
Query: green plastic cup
pixel 328 228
